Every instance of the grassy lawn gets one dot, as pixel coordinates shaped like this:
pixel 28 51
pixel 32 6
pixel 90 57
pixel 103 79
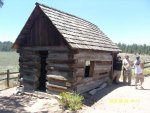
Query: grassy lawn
pixel 9 60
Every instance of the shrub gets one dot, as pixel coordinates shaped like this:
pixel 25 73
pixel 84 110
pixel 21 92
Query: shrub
pixel 72 101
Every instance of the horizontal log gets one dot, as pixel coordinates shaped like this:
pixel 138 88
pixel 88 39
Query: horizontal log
pixel 78 72
pixel 62 56
pixel 58 65
pixel 91 85
pixel 100 76
pixel 29 77
pixel 86 80
pixel 29 86
pixel 58 68
pixel 29 73
pixel 59 73
pixel 26 59
pixel 93 57
pixel 103 63
pixel 29 55
pixel 29 81
pixel 57 77
pixel 58 88
pixel 79 63
pixel 58 49
pixel 60 61
pixel 30 63
pixel 66 75
pixel 29 70
pixel 59 83
pixel 23 51
pixel 98 72
pixel 103 67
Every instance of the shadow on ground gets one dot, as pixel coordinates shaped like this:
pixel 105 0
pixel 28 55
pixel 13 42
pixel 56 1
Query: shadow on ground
pixel 91 99
pixel 14 104
pixel 10 105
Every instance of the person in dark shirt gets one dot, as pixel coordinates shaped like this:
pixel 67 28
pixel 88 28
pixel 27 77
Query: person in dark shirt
pixel 117 67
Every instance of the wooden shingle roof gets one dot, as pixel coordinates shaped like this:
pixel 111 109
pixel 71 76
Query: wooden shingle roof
pixel 79 33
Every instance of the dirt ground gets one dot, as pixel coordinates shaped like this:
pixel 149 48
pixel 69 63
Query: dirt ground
pixel 120 99
pixel 113 99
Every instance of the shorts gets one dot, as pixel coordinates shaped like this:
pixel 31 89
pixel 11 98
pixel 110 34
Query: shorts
pixel 139 77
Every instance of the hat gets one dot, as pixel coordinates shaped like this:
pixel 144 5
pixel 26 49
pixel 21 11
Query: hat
pixel 118 56
pixel 137 56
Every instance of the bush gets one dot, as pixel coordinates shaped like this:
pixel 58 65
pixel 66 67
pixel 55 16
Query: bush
pixel 72 101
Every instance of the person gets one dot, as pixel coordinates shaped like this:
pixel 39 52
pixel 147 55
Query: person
pixel 139 72
pixel 117 67
pixel 127 71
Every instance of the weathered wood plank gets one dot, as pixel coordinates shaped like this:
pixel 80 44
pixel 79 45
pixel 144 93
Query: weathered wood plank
pixel 30 66
pixel 93 57
pixel 30 77
pixel 57 77
pixel 59 49
pixel 78 72
pixel 62 56
pixel 60 61
pixel 57 82
pixel 96 67
pixel 60 73
pixel 84 80
pixel 29 71
pixel 30 63
pixel 59 68
pixel 91 85
pixel 58 88
pixel 103 63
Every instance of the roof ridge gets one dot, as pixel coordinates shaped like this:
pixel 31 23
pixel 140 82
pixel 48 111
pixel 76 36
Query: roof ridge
pixel 66 13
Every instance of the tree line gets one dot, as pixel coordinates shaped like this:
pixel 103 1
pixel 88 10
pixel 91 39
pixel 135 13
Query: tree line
pixel 134 48
pixel 6 46
pixel 126 48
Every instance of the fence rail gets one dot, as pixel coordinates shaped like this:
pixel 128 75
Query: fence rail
pixel 8 73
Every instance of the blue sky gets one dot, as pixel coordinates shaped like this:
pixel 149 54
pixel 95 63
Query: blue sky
pixel 125 21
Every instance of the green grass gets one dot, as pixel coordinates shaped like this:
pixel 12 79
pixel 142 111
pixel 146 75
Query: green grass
pixel 9 60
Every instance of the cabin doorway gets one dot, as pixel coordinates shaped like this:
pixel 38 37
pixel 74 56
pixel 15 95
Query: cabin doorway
pixel 43 71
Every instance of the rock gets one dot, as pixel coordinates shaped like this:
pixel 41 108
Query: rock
pixel 92 92
pixel 102 86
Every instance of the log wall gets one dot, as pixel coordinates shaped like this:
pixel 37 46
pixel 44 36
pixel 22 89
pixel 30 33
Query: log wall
pixel 102 62
pixel 59 70
pixel 29 62
pixel 65 68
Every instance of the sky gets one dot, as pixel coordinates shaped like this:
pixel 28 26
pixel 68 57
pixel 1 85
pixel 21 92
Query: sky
pixel 125 21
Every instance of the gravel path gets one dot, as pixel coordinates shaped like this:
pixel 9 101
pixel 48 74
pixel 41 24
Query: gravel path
pixel 121 99
pixel 113 99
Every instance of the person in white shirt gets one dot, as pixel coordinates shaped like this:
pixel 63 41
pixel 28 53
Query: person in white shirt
pixel 127 71
pixel 138 72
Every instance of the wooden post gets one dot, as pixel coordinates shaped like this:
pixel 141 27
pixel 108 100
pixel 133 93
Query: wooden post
pixel 8 78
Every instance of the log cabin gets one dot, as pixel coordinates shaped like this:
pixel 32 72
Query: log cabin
pixel 62 52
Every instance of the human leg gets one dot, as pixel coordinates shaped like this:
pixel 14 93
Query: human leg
pixel 141 80
pixel 118 76
pixel 124 76
pixel 129 78
pixel 136 80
